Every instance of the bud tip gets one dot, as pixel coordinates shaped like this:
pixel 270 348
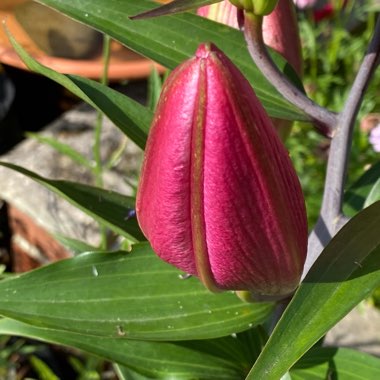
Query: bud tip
pixel 204 50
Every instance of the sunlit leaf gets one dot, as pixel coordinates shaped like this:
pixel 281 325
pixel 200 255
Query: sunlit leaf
pixel 336 363
pixel 166 360
pixel 374 194
pixel 108 207
pixel 120 295
pixel 175 6
pixel 129 116
pixel 356 195
pixel 169 40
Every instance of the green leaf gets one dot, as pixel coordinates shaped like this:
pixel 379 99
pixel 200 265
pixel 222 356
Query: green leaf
pixel 124 373
pixel 242 348
pixel 374 194
pixel 169 40
pixel 62 148
pixel 356 195
pixel 175 6
pixel 120 295
pixel 336 363
pixel 345 273
pixel 42 369
pixel 154 89
pixel 74 245
pixel 105 206
pixel 156 360
pixel 130 117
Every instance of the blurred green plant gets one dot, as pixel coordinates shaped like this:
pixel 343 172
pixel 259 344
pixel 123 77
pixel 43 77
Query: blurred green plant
pixel 333 50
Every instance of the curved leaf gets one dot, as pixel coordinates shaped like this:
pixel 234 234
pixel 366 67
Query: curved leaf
pixel 374 194
pixel 129 116
pixel 75 246
pixel 169 40
pixel 62 148
pixel 105 206
pixel 175 6
pixel 166 360
pixel 345 273
pixel 336 363
pixel 355 197
pixel 120 295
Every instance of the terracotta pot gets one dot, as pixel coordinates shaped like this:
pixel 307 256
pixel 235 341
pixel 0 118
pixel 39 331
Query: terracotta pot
pixel 10 4
pixel 77 50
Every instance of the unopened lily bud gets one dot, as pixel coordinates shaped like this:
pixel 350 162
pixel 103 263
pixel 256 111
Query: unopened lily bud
pixel 257 7
pixel 281 33
pixel 218 196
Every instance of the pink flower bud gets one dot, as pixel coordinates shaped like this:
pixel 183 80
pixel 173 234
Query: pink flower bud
pixel 281 33
pixel 218 196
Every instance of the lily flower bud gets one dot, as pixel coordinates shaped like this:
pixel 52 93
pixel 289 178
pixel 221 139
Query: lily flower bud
pixel 218 196
pixel 281 33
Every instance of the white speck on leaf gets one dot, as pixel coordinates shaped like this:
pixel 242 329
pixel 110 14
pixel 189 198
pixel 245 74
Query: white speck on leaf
pixel 120 330
pixel 95 271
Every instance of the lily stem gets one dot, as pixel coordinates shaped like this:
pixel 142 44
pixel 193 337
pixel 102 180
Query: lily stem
pixel 277 314
pixel 331 217
pixel 323 119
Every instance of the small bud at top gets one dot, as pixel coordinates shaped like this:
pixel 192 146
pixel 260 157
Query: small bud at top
pixel 257 7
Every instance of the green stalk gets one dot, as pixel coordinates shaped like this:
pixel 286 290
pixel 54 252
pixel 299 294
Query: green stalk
pixel 98 168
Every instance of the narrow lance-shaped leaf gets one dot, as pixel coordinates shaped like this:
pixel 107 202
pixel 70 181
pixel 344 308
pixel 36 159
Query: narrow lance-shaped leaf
pixel 74 245
pixel 374 194
pixel 345 273
pixel 169 40
pixel 355 197
pixel 165 359
pixel 125 296
pixel 175 6
pixel 130 117
pixel 336 363
pixel 63 149
pixel 154 89
pixel 108 207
